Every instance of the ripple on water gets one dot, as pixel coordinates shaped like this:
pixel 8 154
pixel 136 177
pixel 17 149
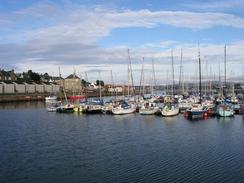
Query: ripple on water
pixel 37 146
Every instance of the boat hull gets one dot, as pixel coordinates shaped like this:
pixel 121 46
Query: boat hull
pixel 147 111
pixel 123 111
pixel 225 111
pixel 169 113
pixel 65 110
pixel 197 114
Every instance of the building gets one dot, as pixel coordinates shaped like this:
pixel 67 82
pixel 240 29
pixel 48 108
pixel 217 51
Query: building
pixel 19 87
pixel 118 89
pixel 55 88
pixel 30 87
pixel 39 88
pixel 48 88
pixel 8 87
pixel 1 88
pixel 58 80
pixel 7 75
pixel 72 83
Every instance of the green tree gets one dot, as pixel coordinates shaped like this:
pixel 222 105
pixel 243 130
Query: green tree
pixel 99 82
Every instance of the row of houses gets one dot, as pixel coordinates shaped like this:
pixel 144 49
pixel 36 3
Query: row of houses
pixel 7 75
pixel 23 88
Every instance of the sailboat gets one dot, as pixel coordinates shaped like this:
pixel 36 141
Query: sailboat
pixel 126 107
pixel 150 107
pixel 123 107
pixel 225 109
pixel 66 108
pixel 94 106
pixel 171 108
pixel 198 111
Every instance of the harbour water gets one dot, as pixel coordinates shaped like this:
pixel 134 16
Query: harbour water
pixel 37 146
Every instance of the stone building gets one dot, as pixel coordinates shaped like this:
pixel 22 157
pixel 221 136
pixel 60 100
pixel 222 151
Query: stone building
pixel 72 83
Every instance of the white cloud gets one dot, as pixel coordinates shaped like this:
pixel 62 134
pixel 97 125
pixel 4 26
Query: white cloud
pixel 216 5
pixel 69 37
pixel 59 24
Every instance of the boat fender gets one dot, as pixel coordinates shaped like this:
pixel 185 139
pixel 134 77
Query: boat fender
pixel 186 114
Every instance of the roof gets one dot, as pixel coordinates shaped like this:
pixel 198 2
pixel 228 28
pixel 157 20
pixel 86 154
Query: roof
pixel 72 76
pixel 5 73
pixel 56 78
pixel 19 82
pixel 7 82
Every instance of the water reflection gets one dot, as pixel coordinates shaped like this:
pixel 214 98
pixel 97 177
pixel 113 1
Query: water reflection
pixel 225 119
pixel 22 105
pixel 169 120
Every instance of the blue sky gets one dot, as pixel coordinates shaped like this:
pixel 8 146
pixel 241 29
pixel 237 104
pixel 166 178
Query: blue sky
pixel 93 36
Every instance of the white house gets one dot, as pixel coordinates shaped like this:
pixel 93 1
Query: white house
pixel 19 88
pixel 1 88
pixel 8 88
pixel 55 88
pixel 39 88
pixel 30 88
pixel 118 89
pixel 48 88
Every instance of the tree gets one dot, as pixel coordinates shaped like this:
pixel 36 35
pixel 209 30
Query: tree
pixel 84 82
pixel 99 82
pixel 31 76
pixel 35 77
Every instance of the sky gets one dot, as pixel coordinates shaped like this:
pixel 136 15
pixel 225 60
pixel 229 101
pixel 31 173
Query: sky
pixel 92 37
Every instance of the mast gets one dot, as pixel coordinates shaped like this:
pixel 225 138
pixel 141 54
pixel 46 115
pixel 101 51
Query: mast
pixel 128 88
pixel 183 82
pixel 153 77
pixel 142 78
pixel 200 75
pixel 112 80
pixel 181 72
pixel 61 81
pixel 210 81
pixel 225 71
pixel 100 88
pixel 167 83
pixel 74 74
pixel 220 83
pixel 206 77
pixel 225 65
pixel 130 71
pixel 65 96
pixel 173 76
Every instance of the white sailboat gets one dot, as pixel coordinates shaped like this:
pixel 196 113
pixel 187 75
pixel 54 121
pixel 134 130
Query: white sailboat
pixel 148 108
pixel 171 108
pixel 123 108
pixel 225 109
pixel 198 111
